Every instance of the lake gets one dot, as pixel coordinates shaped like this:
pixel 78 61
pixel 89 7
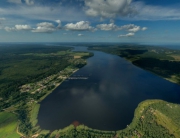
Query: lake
pixel 107 99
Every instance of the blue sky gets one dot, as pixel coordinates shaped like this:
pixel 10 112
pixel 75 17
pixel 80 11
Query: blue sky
pixel 132 21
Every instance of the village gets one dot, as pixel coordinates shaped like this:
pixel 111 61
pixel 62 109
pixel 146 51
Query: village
pixel 49 83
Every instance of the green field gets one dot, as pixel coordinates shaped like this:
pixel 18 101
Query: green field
pixel 8 125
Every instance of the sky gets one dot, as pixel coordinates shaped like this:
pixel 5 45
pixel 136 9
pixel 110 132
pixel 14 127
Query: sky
pixel 122 21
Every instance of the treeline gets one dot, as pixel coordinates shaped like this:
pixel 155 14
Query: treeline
pixel 79 132
pixel 164 68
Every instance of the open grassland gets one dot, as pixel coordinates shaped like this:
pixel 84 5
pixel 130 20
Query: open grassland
pixel 8 125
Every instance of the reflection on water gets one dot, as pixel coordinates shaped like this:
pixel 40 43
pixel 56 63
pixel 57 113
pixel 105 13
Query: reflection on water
pixel 107 99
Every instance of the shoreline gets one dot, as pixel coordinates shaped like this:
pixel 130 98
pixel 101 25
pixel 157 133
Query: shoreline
pixel 140 113
pixel 36 106
pixel 172 79
pixel 57 85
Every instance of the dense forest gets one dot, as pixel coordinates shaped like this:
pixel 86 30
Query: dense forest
pixel 18 67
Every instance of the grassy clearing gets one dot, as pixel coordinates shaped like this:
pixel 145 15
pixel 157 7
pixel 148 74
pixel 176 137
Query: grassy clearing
pixel 176 57
pixel 80 54
pixel 168 123
pixel 8 125
pixel 34 114
pixel 44 132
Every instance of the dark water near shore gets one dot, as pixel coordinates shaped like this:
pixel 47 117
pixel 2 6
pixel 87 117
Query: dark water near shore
pixel 107 99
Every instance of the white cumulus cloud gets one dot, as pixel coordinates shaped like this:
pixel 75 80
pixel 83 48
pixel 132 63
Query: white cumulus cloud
pixel 18 28
pixel 131 28
pixel 79 26
pixel 44 27
pixel 127 35
pixel 108 27
pixel 112 27
pixel 10 29
pixel 29 2
pixel 144 28
pixel 134 29
pixel 109 8
pixel 23 27
pixel 80 34
pixel 59 23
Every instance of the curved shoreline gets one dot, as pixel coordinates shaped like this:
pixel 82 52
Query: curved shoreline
pixel 36 106
pixel 142 108
pixel 152 108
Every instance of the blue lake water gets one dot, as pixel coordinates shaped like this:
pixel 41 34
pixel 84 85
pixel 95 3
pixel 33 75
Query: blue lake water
pixel 108 98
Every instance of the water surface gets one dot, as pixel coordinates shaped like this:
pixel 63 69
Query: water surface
pixel 107 99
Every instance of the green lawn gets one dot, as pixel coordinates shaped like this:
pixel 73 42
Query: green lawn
pixel 8 125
